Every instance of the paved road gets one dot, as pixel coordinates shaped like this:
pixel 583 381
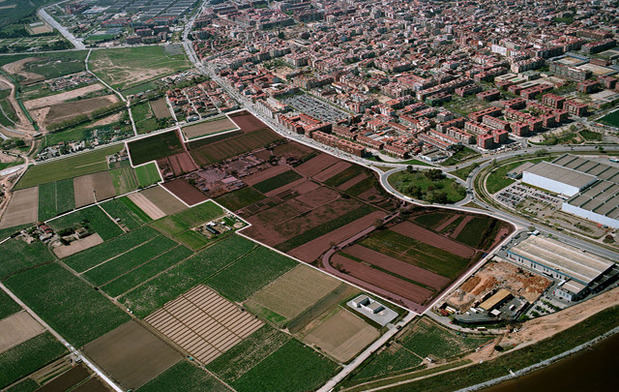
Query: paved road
pixel 66 33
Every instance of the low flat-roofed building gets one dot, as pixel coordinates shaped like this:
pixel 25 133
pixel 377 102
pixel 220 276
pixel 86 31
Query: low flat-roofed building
pixel 599 203
pixel 589 166
pixel 556 178
pixel 496 300
pixel 559 260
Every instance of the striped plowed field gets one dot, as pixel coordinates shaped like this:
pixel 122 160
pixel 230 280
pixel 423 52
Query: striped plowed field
pixel 203 323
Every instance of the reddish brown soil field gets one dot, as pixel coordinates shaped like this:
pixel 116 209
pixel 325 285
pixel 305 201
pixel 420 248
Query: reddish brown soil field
pixel 353 181
pixel 67 380
pixel 316 164
pixel 311 250
pixel 398 267
pixel 185 191
pixel 265 174
pixel 331 171
pixel 247 122
pixel 445 222
pixel 318 197
pixel 300 186
pixel 291 150
pixel 460 227
pixel 177 164
pixel 210 151
pixel 409 229
pixel 390 283
pixel 280 213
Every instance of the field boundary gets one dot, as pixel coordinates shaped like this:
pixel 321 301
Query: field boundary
pixel 206 120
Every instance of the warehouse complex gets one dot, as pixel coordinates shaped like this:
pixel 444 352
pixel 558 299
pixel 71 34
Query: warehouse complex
pixel 592 187
pixel 580 273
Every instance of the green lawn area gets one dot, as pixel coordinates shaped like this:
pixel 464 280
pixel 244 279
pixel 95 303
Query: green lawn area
pixel 250 273
pixel 18 255
pixel 170 284
pixel 29 356
pixel 462 155
pixel 66 303
pixel 241 198
pixel 580 333
pixel 7 305
pixel 463 173
pixel 147 175
pixel 124 263
pixel 248 353
pixel 130 215
pixel 611 119
pixel 498 179
pixel 421 186
pixel 415 252
pixel 90 257
pixel 131 279
pixel 120 67
pixel 155 147
pixel 74 166
pixel 179 225
pixel 55 198
pixel 427 338
pixel 277 181
pixel 93 218
pixel 184 377
pixel 292 368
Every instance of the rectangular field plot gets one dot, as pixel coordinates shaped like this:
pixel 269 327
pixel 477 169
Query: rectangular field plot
pixel 55 198
pixel 22 208
pixel 184 377
pixel 160 108
pixel 89 258
pixel 292 368
pixel 277 181
pixel 18 255
pixel 93 187
pixel 16 329
pixel 77 246
pixel 203 323
pixel 124 180
pixel 342 335
pixel 132 355
pixel 77 165
pixel 147 175
pixel 294 291
pixel 164 200
pixel 146 206
pixel 66 303
pixel 93 218
pixel 126 213
pixel 155 147
pixel 209 127
pixel 27 357
pixel 7 305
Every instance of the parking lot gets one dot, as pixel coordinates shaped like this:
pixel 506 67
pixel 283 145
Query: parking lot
pixel 320 110
pixel 516 193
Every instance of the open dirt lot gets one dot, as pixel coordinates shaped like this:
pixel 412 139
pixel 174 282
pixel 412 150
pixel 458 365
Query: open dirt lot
pixel 16 329
pixel 209 127
pixel 342 335
pixel 66 110
pixel 132 355
pixel 307 284
pixel 99 185
pixel 247 122
pixel 147 206
pixel 411 230
pixel 17 67
pixel 62 97
pixel 160 108
pixel 78 246
pixel 22 208
pixel 185 191
pixel 262 175
pixel 311 250
pixel 203 323
pixel 163 200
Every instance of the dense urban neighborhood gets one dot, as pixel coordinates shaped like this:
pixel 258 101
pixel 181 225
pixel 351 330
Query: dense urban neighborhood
pixel 308 195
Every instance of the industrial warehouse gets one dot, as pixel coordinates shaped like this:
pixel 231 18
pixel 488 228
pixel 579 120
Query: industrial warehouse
pixel 579 273
pixel 592 187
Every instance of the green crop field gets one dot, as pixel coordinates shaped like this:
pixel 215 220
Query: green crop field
pixel 184 377
pixel 412 251
pixel 74 166
pixel 250 273
pixel 292 368
pixel 476 231
pixel 130 215
pixel 432 219
pixel 238 199
pixel 128 261
pixel 55 198
pixel 390 361
pixel 27 357
pixel 178 226
pixel 7 305
pixel 124 180
pixel 346 175
pixel 141 274
pixel 170 284
pixel 277 181
pixel 18 255
pixel 144 118
pixel 7 232
pixel 248 353
pixel 123 68
pixel 90 257
pixel 147 175
pixel 25 385
pixel 66 303
pixel 155 147
pixel 93 218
